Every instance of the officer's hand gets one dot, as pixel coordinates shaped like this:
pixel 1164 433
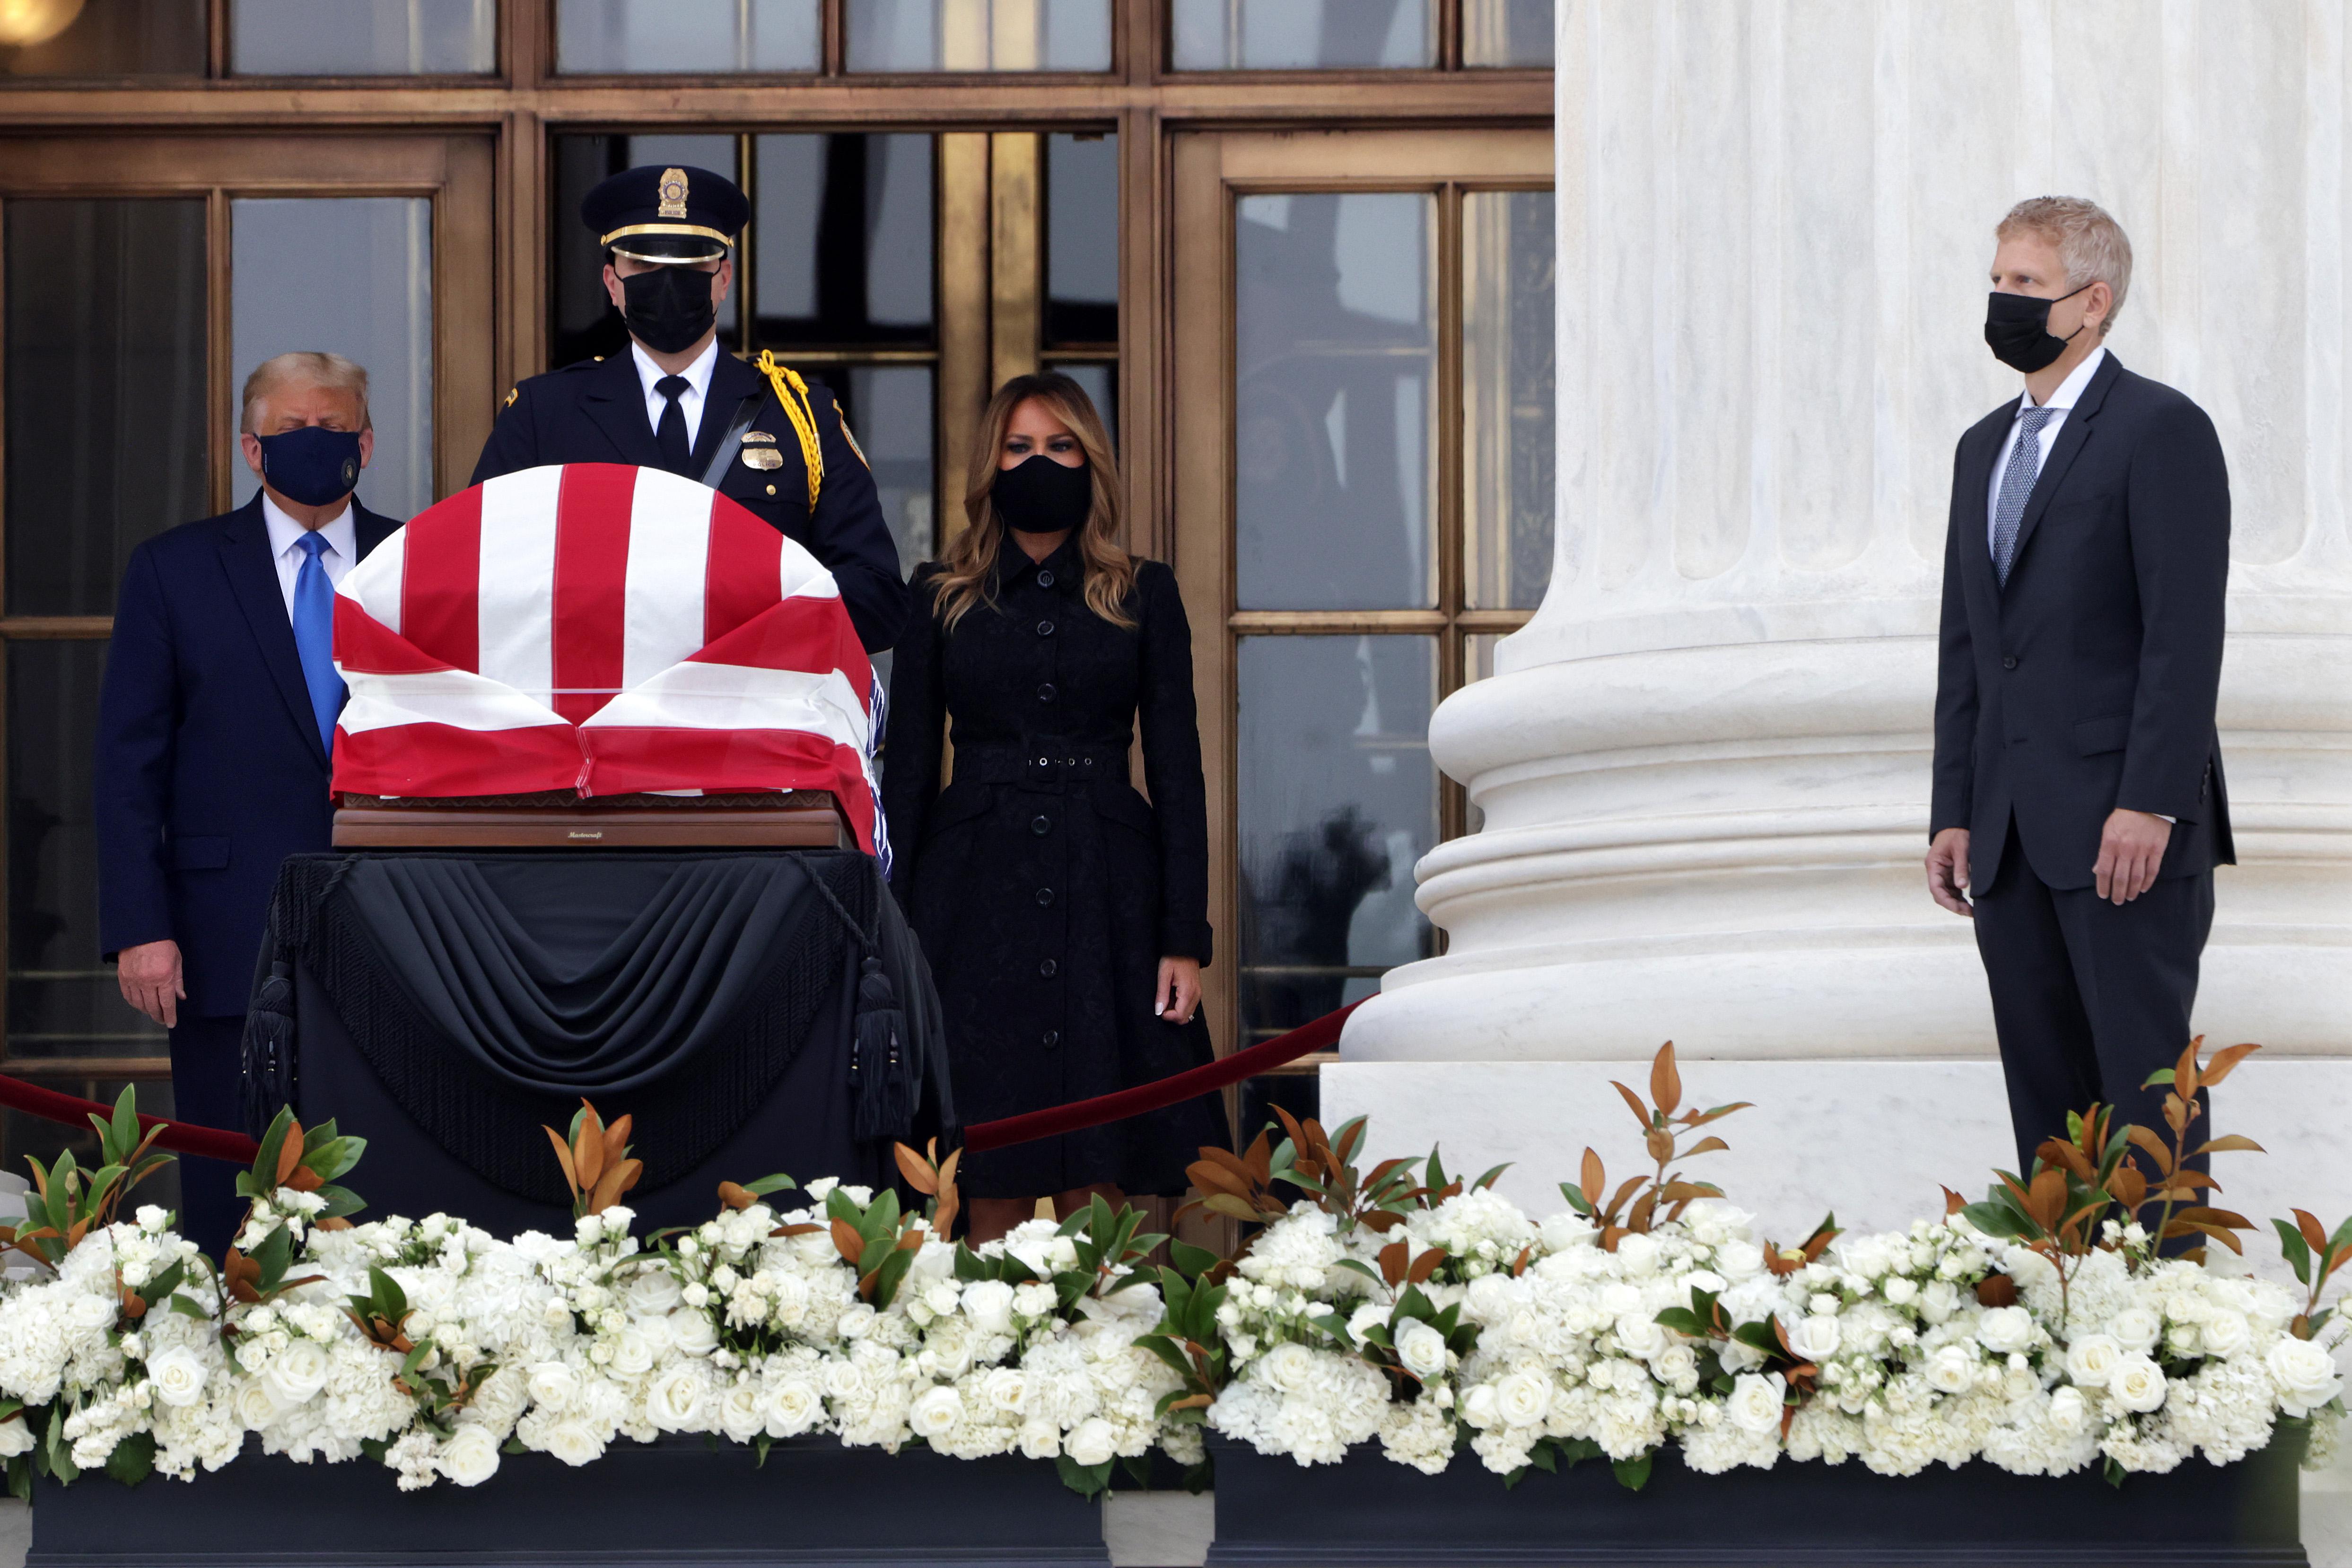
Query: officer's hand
pixel 150 977
pixel 2130 851
pixel 1947 871
pixel 1178 993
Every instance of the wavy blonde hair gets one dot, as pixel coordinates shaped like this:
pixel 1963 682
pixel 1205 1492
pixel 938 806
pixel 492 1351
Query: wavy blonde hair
pixel 971 556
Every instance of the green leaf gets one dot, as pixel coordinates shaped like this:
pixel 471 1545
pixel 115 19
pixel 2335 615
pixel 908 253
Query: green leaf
pixel 186 1307
pixel 887 1277
pixel 1511 1481
pixel 1632 1474
pixel 265 1163
pixel 1433 1170
pixel 513 1445
pixel 133 1460
pixel 2000 1220
pixel 20 1477
pixel 1491 1177
pixel 2115 1471
pixel 1576 1198
pixel 1087 1480
pixel 1542 1458
pixel 2161 1075
pixel 1189 1260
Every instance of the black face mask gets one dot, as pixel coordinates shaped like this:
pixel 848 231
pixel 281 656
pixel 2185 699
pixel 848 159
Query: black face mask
pixel 1039 495
pixel 2017 330
pixel 668 308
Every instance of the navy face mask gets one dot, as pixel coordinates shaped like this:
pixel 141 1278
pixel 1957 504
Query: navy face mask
pixel 312 465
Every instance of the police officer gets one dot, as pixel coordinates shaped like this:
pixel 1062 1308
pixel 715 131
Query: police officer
pixel 757 434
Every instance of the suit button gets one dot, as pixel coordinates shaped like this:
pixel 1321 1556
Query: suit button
pixel 1050 1038
pixel 1045 579
pixel 1045 896
pixel 1042 826
pixel 1046 692
pixel 1047 968
pixel 2009 662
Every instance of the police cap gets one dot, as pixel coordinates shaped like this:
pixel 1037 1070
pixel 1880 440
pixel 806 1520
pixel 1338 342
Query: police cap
pixel 673 213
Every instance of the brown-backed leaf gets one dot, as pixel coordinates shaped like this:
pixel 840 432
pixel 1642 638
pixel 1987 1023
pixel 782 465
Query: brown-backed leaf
pixel 2127 1186
pixel 1380 1220
pixel 1395 1257
pixel 563 1157
pixel 2229 1142
pixel 2046 1202
pixel 2154 1147
pixel 2184 1072
pixel 2313 1231
pixel 616 1138
pixel 1665 1083
pixel 2058 1151
pixel 847 1242
pixel 949 1205
pixel 1706 1146
pixel 1953 1203
pixel 734 1196
pixel 1594 1178
pixel 1660 1144
pixel 1714 1113
pixel 1634 1103
pixel 1645 1208
pixel 2225 1062
pixel 1424 1266
pixel 290 1152
pixel 2193 1226
pixel 917 1169
pixel 1215 1179
pixel 617 1179
pixel 1625 1189
pixel 588 1146
pixel 1997 1291
pixel 2175 1114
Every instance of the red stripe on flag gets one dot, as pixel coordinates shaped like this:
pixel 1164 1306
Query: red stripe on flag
pixel 804 632
pixel 441 581
pixel 365 645
pixel 592 584
pixel 622 760
pixel 440 759
pixel 744 573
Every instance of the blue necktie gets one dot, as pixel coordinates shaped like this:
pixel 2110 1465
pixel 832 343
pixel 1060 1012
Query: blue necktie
pixel 314 637
pixel 2017 487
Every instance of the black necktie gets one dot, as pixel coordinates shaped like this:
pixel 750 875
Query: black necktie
pixel 676 451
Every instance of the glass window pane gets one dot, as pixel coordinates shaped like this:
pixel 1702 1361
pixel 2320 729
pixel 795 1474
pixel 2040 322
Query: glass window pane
pixel 1100 380
pixel 888 409
pixel 842 241
pixel 106 404
pixel 108 37
pixel 979 35
pixel 363 37
pixel 586 323
pixel 1303 35
pixel 1507 32
pixel 353 276
pixel 688 36
pixel 1081 239
pixel 1335 437
pixel 1506 397
pixel 61 1001
pixel 1337 799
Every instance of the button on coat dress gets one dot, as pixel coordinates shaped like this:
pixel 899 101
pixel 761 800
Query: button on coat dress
pixel 1045 887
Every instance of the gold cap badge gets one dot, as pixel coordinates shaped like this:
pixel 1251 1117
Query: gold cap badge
pixel 673 192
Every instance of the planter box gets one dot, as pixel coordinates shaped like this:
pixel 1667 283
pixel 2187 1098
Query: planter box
pixel 674 1502
pixel 1371 1509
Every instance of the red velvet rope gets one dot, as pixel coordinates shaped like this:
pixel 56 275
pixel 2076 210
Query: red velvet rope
pixel 214 1143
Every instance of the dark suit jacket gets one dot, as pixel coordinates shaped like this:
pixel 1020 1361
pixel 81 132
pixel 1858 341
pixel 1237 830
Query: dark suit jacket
pixel 2089 681
pixel 210 769
pixel 595 412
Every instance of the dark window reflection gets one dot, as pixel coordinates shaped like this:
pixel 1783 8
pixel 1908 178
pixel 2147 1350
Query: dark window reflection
pixel 843 240
pixel 61 1001
pixel 1338 798
pixel 104 37
pixel 1506 397
pixel 1081 239
pixel 105 392
pixel 585 322
pixel 1336 352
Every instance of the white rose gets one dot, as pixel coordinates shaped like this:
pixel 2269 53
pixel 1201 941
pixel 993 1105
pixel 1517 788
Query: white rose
pixel 1478 1406
pixel 1677 1364
pixel 692 1332
pixel 2069 1410
pixel 988 1304
pixel 574 1442
pixel 1939 1300
pixel 855 1321
pixel 469 1458
pixel 652 1293
pixel 1488 1297
pixel 1092 1442
pixel 2305 1375
pixel 1756 1402
pixel 1040 1440
pixel 1524 1399
pixel 2136 1385
pixel 742 1414
pixel 1637 1255
pixel 1952 1370
pixel 792 1406
pixel 1740 1259
pixel 1287 1368
pixel 633 1353
pixel 2005 1331
pixel 675 1401
pixel 1033 1300
pixel 935 1412
pixel 177 1376
pixel 553 1385
pixel 252 1404
pixel 940 1296
pixel 1816 1338
pixel 16 1437
pixel 298 1372
pixel 1005 1391
pixel 1421 1349
pixel 2137 1329
pixel 2091 1360
pixel 2225 1333
pixel 1640 1338
pixel 1900 1291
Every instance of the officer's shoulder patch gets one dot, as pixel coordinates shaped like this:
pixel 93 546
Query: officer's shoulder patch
pixel 853 441
pixel 512 392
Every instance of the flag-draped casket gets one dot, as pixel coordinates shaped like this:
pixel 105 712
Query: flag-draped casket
pixel 602 629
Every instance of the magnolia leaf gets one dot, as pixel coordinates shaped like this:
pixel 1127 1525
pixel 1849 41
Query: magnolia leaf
pixel 1633 1102
pixel 2229 1142
pixel 1632 1474
pixel 1707 1145
pixel 917 1169
pixel 1665 1083
pixel 2186 1078
pixel 2224 1062
pixel 2313 1231
pixel 1594 1177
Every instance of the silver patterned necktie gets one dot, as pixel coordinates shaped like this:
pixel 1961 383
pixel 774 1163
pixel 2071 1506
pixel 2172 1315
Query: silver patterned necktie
pixel 2017 486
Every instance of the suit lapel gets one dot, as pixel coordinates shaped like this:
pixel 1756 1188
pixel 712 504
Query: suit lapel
pixel 369 527
pixel 1975 485
pixel 253 578
pixel 616 402
pixel 2073 435
pixel 731 381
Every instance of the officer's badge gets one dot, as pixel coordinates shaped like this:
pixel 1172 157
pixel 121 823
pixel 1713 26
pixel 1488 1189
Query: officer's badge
pixel 762 458
pixel 672 190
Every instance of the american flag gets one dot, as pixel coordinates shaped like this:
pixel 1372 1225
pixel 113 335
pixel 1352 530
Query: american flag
pixel 605 629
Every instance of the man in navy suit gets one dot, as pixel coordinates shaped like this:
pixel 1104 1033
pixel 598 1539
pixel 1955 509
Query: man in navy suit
pixel 2079 808
pixel 216 727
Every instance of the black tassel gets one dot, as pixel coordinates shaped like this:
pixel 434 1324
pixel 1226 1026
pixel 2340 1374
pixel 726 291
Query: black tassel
pixel 267 1050
pixel 882 1067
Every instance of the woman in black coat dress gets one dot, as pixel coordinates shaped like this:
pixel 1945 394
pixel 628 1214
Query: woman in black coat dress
pixel 1064 918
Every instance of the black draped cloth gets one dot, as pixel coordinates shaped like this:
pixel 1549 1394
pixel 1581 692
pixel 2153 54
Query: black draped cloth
pixel 445 1005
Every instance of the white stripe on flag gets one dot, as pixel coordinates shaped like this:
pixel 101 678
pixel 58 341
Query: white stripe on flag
pixel 458 697
pixel 697 696
pixel 374 585
pixel 669 547
pixel 518 620
pixel 804 575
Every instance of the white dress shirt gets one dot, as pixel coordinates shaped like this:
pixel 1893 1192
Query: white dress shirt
pixel 690 402
pixel 2069 392
pixel 342 552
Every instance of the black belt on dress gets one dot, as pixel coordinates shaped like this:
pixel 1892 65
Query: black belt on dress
pixel 1041 762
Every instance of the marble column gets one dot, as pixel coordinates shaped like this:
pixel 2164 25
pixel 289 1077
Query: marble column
pixel 1704 767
